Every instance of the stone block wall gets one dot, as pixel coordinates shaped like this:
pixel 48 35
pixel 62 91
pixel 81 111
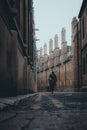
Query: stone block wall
pixel 32 85
pixel 8 59
pixel 16 48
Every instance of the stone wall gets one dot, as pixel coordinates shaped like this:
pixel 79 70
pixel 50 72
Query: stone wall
pixel 8 58
pixel 15 75
pixel 65 81
pixel 32 85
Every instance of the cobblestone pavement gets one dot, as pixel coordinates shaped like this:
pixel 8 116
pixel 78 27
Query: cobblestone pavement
pixel 44 111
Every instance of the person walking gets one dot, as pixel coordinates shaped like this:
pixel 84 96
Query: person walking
pixel 52 81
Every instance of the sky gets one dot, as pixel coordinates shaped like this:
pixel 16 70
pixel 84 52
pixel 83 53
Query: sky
pixel 50 16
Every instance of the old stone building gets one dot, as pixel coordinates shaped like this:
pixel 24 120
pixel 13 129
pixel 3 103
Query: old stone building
pixel 83 46
pixel 79 40
pixel 60 61
pixel 75 52
pixel 17 47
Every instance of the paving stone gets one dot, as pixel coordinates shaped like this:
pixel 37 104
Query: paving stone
pixel 4 102
pixel 7 101
pixel 16 123
pixel 38 129
pixel 2 106
pixel 6 116
pixel 53 128
pixel 47 117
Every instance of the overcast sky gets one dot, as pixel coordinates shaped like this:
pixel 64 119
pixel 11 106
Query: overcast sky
pixel 51 16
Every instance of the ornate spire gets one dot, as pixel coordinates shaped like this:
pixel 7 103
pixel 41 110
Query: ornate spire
pixel 73 24
pixel 63 35
pixel 50 45
pixel 45 49
pixel 40 51
pixel 56 41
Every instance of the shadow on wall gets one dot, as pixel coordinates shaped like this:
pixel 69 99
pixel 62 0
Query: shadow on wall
pixel 7 86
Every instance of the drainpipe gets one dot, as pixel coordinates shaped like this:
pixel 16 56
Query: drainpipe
pixel 65 75
pixel 59 76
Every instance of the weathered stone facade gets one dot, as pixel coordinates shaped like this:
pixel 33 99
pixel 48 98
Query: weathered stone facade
pixel 61 61
pixel 75 51
pixel 79 41
pixel 83 46
pixel 17 45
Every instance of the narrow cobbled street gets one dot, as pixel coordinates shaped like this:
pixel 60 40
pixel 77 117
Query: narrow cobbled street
pixel 44 111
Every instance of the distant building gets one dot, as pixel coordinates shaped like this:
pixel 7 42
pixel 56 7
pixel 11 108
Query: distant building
pixel 60 61
pixel 69 62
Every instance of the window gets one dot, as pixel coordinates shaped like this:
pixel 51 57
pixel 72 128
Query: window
pixel 84 65
pixel 83 28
